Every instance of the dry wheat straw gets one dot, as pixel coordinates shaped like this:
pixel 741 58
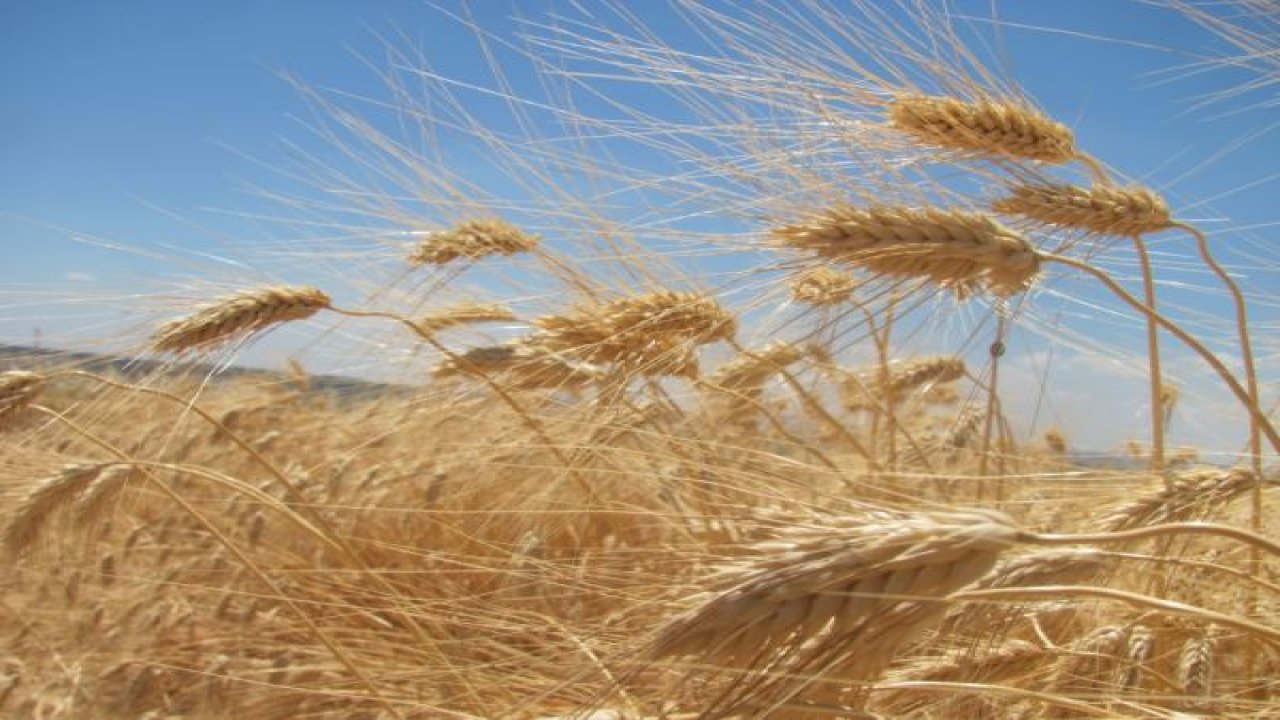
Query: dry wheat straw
pixel 463 314
pixel 963 250
pixel 18 389
pixel 844 598
pixel 473 240
pixel 1102 209
pixel 237 315
pixel 823 287
pixel 983 127
pixel 1195 493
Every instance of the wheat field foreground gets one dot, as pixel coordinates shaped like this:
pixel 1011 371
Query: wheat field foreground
pixel 731 412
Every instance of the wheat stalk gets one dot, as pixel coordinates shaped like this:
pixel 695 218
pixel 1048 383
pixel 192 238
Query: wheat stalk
pixel 238 315
pixel 963 250
pixel 1102 209
pixel 473 240
pixel 983 127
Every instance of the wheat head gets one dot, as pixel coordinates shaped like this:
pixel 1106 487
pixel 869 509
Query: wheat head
pixel 1103 210
pixel 238 315
pixel 983 127
pixel 963 250
pixel 473 240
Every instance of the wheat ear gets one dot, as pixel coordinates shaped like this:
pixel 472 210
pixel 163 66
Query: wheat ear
pixel 1185 496
pixel 238 315
pixel 473 240
pixel 963 250
pixel 1102 209
pixel 983 127
pixel 843 599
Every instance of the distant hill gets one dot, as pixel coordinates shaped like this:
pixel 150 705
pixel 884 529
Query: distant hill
pixel 22 357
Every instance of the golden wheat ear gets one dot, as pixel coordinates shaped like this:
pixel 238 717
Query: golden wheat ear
pixel 983 127
pixel 238 315
pixel 958 249
pixel 841 599
pixel 1102 209
pixel 473 240
pixel 18 390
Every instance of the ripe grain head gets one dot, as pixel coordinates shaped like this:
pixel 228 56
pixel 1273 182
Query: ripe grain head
pixel 986 128
pixel 238 315
pixel 962 250
pixel 1101 210
pixel 473 240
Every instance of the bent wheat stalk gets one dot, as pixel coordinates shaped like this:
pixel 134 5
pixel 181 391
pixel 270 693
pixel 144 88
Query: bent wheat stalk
pixel 1243 396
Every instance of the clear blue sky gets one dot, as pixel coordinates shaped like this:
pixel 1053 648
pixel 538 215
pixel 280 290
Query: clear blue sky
pixel 125 121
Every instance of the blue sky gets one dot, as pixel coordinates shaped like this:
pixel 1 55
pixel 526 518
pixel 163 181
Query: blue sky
pixel 131 130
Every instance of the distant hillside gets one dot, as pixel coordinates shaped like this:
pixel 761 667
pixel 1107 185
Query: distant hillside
pixel 21 357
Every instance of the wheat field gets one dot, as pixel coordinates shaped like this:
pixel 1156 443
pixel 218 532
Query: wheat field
pixel 729 425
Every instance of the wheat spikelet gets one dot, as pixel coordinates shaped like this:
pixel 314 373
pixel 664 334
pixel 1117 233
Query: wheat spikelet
pixel 1104 210
pixel 463 314
pixel 18 389
pixel 44 500
pixel 962 250
pixel 823 287
pixel 983 127
pixel 1195 667
pixel 1139 649
pixel 1189 495
pixel 473 240
pixel 485 360
pixel 237 315
pixel 843 599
